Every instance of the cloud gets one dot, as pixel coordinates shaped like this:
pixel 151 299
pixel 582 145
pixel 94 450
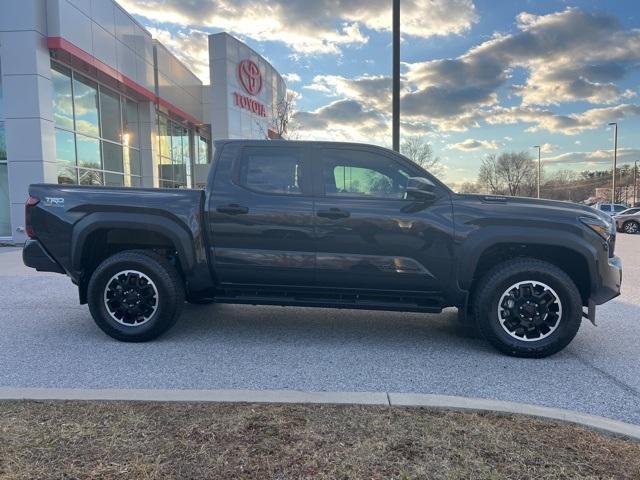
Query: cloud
pixel 309 27
pixel 569 56
pixel 343 120
pixel 570 124
pixel 598 157
pixel 291 77
pixel 470 144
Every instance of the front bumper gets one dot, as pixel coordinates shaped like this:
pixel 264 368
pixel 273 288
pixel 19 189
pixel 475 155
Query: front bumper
pixel 608 285
pixel 35 256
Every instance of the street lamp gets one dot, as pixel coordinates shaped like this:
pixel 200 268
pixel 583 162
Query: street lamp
pixel 615 161
pixel 395 121
pixel 539 166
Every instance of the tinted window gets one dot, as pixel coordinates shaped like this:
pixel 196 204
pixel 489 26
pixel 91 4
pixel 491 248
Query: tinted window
pixel 605 208
pixel 62 101
pixel 619 208
pixel 272 170
pixel 85 94
pixel 365 174
pixel 110 115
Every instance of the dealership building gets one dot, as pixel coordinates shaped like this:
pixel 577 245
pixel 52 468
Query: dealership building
pixel 88 96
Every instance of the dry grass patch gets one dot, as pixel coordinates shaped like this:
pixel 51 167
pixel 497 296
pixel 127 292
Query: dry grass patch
pixel 103 440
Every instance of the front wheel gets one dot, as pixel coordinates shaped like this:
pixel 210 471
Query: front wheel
pixel 135 296
pixel 631 227
pixel 528 308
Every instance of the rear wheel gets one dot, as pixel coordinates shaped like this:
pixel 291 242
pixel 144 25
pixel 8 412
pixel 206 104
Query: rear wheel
pixel 135 296
pixel 528 308
pixel 631 227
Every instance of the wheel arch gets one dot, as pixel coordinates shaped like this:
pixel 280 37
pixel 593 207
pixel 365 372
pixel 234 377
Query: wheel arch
pixel 568 251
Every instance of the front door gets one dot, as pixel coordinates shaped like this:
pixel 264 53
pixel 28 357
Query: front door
pixel 370 237
pixel 261 216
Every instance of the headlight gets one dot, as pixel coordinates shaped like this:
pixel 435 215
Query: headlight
pixel 603 228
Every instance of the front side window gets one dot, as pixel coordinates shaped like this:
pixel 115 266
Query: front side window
pixel 272 170
pixel 362 174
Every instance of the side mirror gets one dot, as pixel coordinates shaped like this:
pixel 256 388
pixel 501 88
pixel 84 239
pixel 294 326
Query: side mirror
pixel 420 189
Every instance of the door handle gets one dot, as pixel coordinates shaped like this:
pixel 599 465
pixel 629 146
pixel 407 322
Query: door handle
pixel 232 209
pixel 333 213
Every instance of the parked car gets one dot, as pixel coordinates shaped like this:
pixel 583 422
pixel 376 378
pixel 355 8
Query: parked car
pixel 326 224
pixel 628 220
pixel 611 208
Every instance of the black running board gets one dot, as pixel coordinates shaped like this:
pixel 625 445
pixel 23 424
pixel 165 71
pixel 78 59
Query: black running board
pixel 326 298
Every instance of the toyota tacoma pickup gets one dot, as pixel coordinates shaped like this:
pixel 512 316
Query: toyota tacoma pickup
pixel 326 224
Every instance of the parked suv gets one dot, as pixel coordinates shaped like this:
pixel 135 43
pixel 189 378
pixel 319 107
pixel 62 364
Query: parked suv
pixel 327 224
pixel 611 208
pixel 628 221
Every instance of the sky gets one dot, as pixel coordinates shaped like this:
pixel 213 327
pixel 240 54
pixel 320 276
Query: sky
pixel 479 77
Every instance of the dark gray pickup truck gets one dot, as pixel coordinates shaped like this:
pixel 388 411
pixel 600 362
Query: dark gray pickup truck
pixel 326 225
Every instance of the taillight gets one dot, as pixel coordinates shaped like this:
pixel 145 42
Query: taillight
pixel 31 202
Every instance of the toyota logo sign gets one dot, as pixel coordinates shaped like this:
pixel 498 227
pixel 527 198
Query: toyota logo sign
pixel 250 77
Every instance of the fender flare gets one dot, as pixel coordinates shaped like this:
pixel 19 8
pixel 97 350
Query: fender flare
pixel 179 236
pixel 473 247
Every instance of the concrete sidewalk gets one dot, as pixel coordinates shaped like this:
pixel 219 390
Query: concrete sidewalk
pixel 390 399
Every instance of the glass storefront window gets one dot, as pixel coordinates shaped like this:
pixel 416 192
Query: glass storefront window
pixel 97 132
pixel 203 151
pixel 113 179
pixel 110 115
pixel 88 152
pixel 85 100
pixel 3 144
pixel 90 177
pixel 1 97
pixel 5 211
pixel 165 137
pixel 112 156
pixel 66 156
pixel 62 97
pixel 130 123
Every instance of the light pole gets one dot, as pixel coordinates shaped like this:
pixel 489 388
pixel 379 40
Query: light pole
pixel 635 183
pixel 539 166
pixel 395 122
pixel 615 161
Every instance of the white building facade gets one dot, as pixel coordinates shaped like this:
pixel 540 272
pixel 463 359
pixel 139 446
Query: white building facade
pixel 87 96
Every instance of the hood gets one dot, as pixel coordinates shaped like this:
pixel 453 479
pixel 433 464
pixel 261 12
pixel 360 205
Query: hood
pixel 555 207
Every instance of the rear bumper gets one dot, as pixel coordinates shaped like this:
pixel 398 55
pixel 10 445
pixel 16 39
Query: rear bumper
pixel 35 256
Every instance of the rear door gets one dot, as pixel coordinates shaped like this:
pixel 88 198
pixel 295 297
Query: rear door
pixel 261 215
pixel 369 235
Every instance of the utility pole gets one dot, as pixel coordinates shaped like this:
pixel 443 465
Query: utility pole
pixel 635 184
pixel 539 166
pixel 396 77
pixel 615 161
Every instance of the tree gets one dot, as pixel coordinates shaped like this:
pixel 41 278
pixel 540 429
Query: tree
pixel 469 187
pixel 511 173
pixel 419 151
pixel 281 121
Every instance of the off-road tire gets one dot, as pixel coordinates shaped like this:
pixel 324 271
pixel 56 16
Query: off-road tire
pixel 167 282
pixel 497 281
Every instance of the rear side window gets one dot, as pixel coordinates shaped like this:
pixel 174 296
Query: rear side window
pixel 272 170
pixel 605 208
pixel 619 208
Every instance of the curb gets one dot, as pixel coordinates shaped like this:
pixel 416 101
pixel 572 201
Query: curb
pixel 391 399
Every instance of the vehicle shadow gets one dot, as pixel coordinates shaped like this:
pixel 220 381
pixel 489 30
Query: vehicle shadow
pixel 316 326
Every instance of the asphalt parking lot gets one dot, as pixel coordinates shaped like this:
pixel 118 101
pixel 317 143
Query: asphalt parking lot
pixel 48 340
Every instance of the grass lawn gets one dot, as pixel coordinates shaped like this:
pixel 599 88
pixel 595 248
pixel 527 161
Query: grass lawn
pixel 99 440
